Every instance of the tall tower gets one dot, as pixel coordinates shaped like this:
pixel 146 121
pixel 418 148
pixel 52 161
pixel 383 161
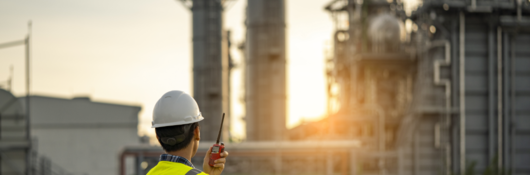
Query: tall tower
pixel 210 64
pixel 265 70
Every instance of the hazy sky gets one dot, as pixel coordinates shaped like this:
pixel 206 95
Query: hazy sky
pixel 133 51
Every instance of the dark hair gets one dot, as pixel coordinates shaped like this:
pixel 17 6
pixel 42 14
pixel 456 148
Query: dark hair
pixel 174 138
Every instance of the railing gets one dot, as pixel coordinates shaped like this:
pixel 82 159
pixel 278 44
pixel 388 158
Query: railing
pixel 42 165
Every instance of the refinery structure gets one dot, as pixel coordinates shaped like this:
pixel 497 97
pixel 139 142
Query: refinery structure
pixel 448 97
pixel 451 96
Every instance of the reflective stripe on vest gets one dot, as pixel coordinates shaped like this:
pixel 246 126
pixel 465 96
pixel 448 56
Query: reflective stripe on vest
pixel 193 172
pixel 173 168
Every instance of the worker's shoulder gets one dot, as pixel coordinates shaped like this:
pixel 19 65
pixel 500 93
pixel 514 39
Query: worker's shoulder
pixel 166 167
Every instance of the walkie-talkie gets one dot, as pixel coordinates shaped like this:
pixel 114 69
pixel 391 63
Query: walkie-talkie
pixel 217 148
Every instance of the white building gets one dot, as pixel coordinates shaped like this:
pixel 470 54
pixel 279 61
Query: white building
pixel 81 136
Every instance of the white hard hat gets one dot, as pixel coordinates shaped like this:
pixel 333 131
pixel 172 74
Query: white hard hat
pixel 175 108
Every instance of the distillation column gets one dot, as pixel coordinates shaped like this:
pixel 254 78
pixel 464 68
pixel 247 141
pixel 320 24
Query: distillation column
pixel 210 65
pixel 266 70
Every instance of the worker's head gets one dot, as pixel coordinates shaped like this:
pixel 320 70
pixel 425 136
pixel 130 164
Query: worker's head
pixel 174 138
pixel 175 117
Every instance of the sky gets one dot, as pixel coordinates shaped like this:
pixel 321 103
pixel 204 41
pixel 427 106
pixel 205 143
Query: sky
pixel 133 51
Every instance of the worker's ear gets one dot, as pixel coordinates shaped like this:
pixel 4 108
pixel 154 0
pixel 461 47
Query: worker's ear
pixel 197 133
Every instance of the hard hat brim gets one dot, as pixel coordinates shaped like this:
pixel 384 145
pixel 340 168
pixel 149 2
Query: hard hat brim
pixel 199 118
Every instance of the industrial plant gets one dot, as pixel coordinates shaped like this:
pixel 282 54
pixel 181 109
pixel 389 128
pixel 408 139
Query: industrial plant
pixel 450 95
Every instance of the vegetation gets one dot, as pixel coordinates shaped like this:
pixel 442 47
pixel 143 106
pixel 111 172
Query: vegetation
pixel 491 169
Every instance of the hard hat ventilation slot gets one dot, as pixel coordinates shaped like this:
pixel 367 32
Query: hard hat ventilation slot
pixel 173 140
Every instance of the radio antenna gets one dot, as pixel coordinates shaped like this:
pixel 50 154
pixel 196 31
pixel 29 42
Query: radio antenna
pixel 220 128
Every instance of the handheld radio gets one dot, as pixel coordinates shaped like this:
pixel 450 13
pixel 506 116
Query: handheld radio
pixel 217 148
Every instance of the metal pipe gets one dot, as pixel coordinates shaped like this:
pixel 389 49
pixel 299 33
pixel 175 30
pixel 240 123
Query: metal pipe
pixel 448 159
pixel 400 162
pixel 353 163
pixel 462 96
pixel 453 131
pixel 371 104
pixel 358 5
pixel 443 82
pixel 437 135
pixel 139 161
pixel 499 97
pixel 446 62
pixel 415 156
pixel 354 91
pixel 122 164
pixel 329 164
pixel 491 93
pixel 507 100
pixel 344 164
pixel 278 162
pixel 512 102
pixel 28 123
pixel 381 117
pixel 447 86
pixel 519 11
pixel 27 83
pixel 12 44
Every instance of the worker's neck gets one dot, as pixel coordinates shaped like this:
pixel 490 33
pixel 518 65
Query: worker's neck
pixel 186 152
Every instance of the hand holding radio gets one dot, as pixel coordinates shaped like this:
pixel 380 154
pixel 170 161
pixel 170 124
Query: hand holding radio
pixel 215 158
pixel 218 165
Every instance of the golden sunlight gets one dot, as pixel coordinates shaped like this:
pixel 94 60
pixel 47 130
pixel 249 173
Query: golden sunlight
pixel 308 31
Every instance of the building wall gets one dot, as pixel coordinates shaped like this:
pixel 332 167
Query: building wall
pixel 14 140
pixel 81 136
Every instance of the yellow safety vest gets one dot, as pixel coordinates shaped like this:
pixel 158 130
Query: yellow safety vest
pixel 174 168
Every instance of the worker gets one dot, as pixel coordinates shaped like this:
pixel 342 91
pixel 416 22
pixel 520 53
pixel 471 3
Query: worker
pixel 176 119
